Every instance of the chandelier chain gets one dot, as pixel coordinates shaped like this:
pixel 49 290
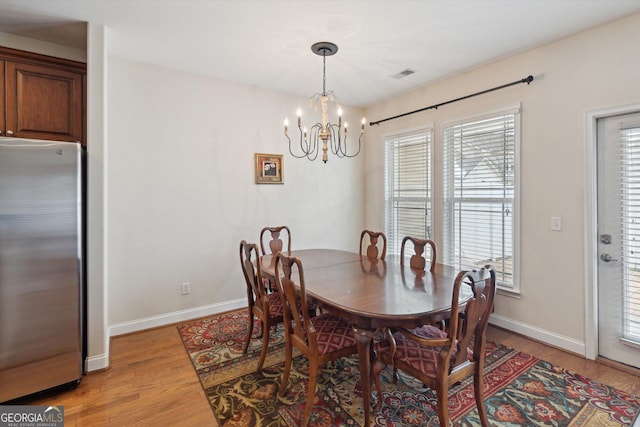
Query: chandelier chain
pixel 324 73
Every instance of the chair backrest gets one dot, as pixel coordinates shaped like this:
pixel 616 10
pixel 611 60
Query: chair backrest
pixel 275 244
pixel 471 323
pixel 418 261
pixel 297 320
pixel 250 262
pixel 375 238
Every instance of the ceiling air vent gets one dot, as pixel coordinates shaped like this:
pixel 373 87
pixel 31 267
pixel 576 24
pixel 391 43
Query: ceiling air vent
pixel 403 74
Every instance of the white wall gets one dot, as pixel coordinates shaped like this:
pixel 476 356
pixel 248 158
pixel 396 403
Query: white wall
pixel 96 281
pixel 182 195
pixel 171 171
pixel 593 70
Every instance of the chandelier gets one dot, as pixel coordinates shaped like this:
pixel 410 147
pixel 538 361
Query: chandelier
pixel 330 135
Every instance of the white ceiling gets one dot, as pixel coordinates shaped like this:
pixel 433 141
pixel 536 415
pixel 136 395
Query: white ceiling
pixel 267 43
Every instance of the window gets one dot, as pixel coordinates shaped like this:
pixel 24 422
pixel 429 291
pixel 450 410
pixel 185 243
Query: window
pixel 407 188
pixel 480 188
pixel 629 198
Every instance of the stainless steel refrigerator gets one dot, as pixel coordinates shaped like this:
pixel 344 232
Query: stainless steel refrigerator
pixel 40 266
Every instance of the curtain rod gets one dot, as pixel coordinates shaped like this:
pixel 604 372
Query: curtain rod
pixel 526 80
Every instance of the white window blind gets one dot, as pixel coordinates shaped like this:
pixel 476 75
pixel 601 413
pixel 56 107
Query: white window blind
pixel 630 238
pixel 407 188
pixel 479 195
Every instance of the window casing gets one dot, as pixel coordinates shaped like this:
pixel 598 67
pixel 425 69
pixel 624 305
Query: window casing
pixel 480 188
pixel 408 192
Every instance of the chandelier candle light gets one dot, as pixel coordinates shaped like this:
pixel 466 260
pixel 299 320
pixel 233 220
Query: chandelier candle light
pixel 332 135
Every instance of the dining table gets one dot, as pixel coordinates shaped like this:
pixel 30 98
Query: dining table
pixel 373 294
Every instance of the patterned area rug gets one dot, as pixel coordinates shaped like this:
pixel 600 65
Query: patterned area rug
pixel 521 390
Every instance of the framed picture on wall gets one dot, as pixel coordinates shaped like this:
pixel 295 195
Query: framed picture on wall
pixel 269 169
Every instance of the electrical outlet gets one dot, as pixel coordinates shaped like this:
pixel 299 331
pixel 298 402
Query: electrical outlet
pixel 186 288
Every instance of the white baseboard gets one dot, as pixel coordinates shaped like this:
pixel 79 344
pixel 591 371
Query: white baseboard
pixel 551 338
pixel 96 363
pixel 175 317
pixel 101 361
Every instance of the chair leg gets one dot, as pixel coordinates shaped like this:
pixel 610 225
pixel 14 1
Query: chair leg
pixel 248 340
pixel 478 389
pixel 287 368
pixel 392 342
pixel 442 392
pixel 311 392
pixel 265 345
pixel 376 370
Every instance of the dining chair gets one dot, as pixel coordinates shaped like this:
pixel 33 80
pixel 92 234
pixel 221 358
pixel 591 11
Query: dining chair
pixel 275 244
pixel 372 250
pixel 265 306
pixel 321 339
pixel 418 260
pixel 441 358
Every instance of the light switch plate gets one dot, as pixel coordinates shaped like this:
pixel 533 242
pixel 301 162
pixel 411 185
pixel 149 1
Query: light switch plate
pixel 556 223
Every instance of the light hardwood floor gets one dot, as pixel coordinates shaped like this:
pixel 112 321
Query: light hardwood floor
pixel 151 382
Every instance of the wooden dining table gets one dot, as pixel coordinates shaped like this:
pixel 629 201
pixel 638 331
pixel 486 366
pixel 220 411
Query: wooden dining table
pixel 373 294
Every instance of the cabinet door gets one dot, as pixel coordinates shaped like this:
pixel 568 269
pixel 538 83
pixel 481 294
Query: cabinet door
pixel 43 102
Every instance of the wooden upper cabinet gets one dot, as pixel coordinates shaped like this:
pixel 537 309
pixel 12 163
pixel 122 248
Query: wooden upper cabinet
pixel 43 99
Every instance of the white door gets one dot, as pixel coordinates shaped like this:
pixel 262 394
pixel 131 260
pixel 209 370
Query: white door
pixel 618 145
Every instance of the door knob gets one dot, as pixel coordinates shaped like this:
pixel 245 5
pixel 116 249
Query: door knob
pixel 607 258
